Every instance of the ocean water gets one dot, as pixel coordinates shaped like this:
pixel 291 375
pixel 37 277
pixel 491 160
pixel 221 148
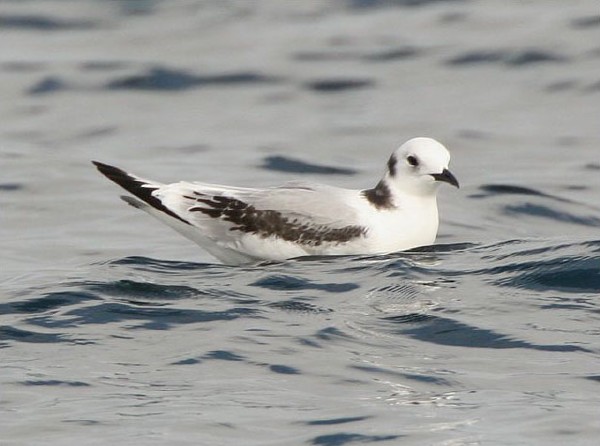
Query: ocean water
pixel 114 329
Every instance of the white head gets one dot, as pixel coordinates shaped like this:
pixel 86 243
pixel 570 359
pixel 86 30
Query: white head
pixel 419 166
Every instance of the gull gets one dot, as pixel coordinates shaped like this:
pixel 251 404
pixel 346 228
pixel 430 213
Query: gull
pixel 240 225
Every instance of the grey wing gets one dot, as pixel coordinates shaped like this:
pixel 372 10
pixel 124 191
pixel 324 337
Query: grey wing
pixel 300 212
pixel 315 203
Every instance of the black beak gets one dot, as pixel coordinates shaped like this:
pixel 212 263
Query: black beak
pixel 447 177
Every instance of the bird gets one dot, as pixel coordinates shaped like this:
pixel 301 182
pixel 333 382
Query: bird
pixel 239 225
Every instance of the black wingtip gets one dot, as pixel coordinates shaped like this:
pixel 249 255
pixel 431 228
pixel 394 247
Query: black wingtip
pixel 136 186
pixel 100 165
pixel 123 179
pixel 114 173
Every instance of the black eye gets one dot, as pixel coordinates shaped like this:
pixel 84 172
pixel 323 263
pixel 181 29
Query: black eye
pixel 413 161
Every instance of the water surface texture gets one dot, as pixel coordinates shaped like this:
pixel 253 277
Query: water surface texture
pixel 114 329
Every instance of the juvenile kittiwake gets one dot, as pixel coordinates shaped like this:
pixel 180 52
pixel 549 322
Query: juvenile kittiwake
pixel 239 225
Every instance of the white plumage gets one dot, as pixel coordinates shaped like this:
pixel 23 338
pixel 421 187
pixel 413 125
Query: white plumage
pixel 239 225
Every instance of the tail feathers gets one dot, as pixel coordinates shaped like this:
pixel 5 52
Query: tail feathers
pixel 136 186
pixel 138 204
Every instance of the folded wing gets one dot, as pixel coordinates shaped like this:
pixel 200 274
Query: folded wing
pixel 305 214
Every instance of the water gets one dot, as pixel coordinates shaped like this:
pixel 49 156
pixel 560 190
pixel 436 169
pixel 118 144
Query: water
pixel 115 329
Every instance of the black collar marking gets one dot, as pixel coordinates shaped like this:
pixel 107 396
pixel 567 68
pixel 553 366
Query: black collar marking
pixel 380 196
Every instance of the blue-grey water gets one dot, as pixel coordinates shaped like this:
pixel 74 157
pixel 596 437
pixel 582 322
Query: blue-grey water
pixel 114 329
